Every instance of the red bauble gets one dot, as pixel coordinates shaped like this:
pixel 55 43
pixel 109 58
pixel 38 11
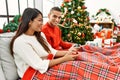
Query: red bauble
pixel 67 0
pixel 84 7
pixel 83 35
pixel 62 5
pixel 8 30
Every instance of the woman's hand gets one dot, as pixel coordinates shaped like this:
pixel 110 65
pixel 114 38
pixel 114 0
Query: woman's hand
pixel 74 47
pixel 70 56
pixel 67 56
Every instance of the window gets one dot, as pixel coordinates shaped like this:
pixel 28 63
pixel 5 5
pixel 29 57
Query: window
pixel 8 9
pixel 47 5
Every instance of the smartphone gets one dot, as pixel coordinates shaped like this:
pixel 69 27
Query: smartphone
pixel 77 45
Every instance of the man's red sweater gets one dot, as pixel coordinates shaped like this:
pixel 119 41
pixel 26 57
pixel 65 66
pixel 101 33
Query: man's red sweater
pixel 53 35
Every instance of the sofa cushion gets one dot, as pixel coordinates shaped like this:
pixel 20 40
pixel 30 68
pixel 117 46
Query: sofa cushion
pixel 7 61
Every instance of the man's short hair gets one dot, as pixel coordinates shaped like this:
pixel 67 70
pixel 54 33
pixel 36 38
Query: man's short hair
pixel 55 9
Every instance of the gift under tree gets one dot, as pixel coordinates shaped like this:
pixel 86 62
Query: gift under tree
pixel 75 22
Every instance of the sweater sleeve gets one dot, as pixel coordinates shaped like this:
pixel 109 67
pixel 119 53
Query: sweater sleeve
pixel 65 45
pixel 47 35
pixel 51 48
pixel 29 56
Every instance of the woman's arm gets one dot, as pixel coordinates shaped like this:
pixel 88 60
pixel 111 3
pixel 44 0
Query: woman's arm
pixel 66 56
pixel 61 53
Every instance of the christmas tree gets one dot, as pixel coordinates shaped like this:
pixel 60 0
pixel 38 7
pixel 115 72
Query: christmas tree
pixel 75 22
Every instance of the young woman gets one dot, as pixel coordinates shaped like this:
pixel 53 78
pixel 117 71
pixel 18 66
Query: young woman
pixel 30 48
pixel 37 60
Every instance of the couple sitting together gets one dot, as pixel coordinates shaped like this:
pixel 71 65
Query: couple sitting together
pixel 41 54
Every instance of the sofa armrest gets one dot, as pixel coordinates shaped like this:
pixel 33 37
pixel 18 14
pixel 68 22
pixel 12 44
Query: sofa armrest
pixel 2 76
pixel 7 61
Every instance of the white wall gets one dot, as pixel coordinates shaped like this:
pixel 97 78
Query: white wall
pixel 92 7
pixel 112 5
pixel 45 6
pixel 39 5
pixel 58 2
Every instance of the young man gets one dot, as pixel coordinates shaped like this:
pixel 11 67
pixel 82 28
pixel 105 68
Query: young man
pixel 53 32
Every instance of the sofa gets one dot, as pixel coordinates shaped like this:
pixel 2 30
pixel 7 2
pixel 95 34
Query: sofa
pixel 8 69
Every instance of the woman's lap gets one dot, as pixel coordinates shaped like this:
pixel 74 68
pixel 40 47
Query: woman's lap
pixel 80 70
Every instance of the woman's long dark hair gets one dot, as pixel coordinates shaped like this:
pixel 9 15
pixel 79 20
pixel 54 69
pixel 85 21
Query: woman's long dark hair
pixel 28 15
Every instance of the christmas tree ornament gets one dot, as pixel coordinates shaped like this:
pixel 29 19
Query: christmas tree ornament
pixel 75 21
pixel 72 12
pixel 79 8
pixel 79 34
pixel 68 35
pixel 67 0
pixel 84 7
pixel 62 4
